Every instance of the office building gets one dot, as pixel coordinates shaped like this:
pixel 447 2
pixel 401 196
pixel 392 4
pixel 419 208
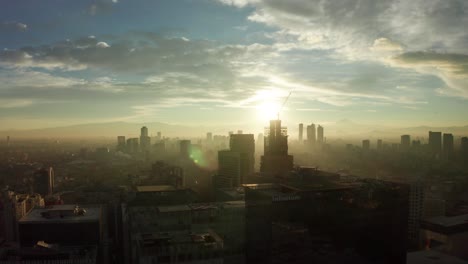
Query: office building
pixel 305 222
pixel 275 160
pixel 405 142
pixel 163 173
pixel 379 144
pixel 320 138
pixel 239 132
pixel 209 136
pixel 185 147
pixel 301 131
pixel 158 136
pixel 435 143
pixel 244 144
pixel 145 140
pixel 366 144
pixel 44 181
pixel 448 151
pixel 311 137
pixel 133 145
pixel 121 144
pixel 229 169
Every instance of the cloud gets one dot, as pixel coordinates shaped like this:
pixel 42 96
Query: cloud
pixel 102 44
pixel 101 6
pixel 15 103
pixel 11 26
pixel 385 44
pixel 450 67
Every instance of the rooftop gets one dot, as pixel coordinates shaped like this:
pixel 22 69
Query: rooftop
pixel 61 214
pixel 448 221
pixel 156 188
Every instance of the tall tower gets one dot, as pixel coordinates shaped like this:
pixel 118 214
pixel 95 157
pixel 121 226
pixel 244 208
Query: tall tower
pixel 311 138
pixel 121 146
pixel 448 146
pixel 145 140
pixel 301 132
pixel 244 144
pixel 275 160
pixel 44 181
pixel 320 134
pixel 435 143
pixel 405 142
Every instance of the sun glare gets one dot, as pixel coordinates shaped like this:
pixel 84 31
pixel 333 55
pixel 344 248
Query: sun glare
pixel 268 110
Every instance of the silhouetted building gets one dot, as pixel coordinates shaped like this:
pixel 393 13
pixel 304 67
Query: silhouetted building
pixel 366 144
pixel 320 138
pixel 464 148
pixel 133 145
pixel 239 132
pixel 405 142
pixel 244 144
pixel 300 222
pixel 229 169
pixel 44 181
pixel 209 136
pixel 185 147
pixel 448 151
pixel 165 174
pixel 158 137
pixel 435 143
pixel 311 137
pixel 379 144
pixel 416 143
pixel 121 144
pixel 275 160
pixel 301 131
pixel 145 140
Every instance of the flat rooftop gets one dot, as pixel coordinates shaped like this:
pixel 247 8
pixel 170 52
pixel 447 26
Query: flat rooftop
pixel 93 213
pixel 156 188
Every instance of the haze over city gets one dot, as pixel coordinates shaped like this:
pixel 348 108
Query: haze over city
pixel 234 131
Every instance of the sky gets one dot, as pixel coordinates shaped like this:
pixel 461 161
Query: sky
pixel 233 62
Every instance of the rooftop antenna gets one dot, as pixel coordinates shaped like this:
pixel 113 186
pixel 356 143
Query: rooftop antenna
pixel 284 102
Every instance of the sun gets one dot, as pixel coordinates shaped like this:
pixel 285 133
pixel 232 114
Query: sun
pixel 268 110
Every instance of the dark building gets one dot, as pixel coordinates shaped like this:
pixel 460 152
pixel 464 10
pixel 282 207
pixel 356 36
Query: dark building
pixel 311 137
pixel 185 147
pixel 320 138
pixel 121 144
pixel 464 147
pixel 275 160
pixel 405 142
pixel 298 222
pixel 229 169
pixel 209 136
pixel 165 174
pixel 301 132
pixel 44 181
pixel 145 140
pixel 133 145
pixel 448 151
pixel 366 144
pixel 379 144
pixel 244 144
pixel 435 143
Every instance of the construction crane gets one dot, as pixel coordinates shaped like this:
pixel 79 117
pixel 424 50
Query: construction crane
pixel 284 103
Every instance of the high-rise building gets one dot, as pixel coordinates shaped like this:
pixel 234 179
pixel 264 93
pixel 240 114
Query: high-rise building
pixel 145 140
pixel 379 144
pixel 44 181
pixel 366 144
pixel 185 146
pixel 301 131
pixel 464 147
pixel 435 143
pixel 448 152
pixel 275 160
pixel 121 146
pixel 209 136
pixel 244 144
pixel 311 138
pixel 133 145
pixel 229 169
pixel 405 142
pixel 159 137
pixel 320 134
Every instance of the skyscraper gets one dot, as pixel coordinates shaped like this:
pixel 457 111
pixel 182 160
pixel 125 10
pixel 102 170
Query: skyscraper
pixel 133 145
pixel 311 138
pixel 244 144
pixel 379 144
pixel 448 152
pixel 209 136
pixel 301 131
pixel 464 146
pixel 405 142
pixel 44 181
pixel 229 169
pixel 435 143
pixel 320 134
pixel 366 144
pixel 185 146
pixel 121 146
pixel 275 160
pixel 145 140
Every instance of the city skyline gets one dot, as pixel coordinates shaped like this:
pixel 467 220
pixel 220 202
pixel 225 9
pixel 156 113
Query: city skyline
pixel 219 62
